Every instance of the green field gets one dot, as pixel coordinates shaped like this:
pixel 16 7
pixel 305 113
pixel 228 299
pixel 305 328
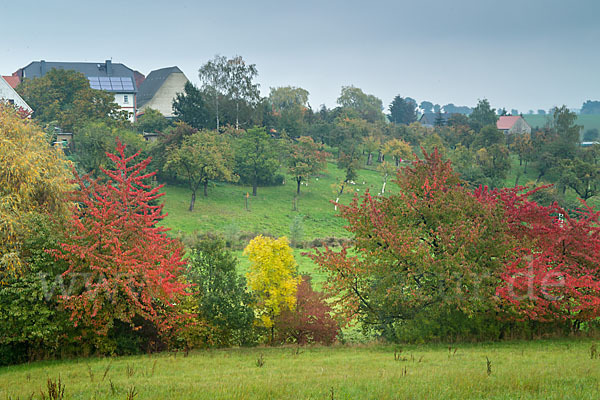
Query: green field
pixel 271 211
pixel 545 369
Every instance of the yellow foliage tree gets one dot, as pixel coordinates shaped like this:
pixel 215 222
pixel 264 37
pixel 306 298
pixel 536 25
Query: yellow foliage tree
pixel 272 277
pixel 34 178
pixel 398 149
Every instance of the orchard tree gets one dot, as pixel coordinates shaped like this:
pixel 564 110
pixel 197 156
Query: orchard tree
pixel 430 246
pixel 122 264
pixel 581 176
pixel 311 321
pixel 398 149
pixel 202 157
pixel 371 144
pixel 34 180
pixel 367 106
pixel 256 157
pixel 272 278
pixel 554 276
pixel 306 159
pixel 289 108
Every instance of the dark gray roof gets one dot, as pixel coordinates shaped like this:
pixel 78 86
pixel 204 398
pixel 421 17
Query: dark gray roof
pixel 429 118
pixel 38 69
pixel 153 83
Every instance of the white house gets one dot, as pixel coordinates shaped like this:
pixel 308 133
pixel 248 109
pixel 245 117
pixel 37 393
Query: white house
pixel 7 93
pixel 159 89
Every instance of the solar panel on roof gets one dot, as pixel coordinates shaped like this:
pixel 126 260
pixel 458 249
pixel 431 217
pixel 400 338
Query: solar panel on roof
pixel 111 83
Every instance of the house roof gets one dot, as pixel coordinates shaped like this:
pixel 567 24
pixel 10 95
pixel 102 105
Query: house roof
pixel 429 118
pixel 9 93
pixel 153 83
pixel 106 69
pixel 12 80
pixel 506 121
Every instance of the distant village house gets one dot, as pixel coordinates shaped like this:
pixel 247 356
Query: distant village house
pixel 9 94
pixel 513 124
pixel 112 77
pixel 159 89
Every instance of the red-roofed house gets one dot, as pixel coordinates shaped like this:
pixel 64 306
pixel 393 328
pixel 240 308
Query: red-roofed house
pixel 513 124
pixel 12 80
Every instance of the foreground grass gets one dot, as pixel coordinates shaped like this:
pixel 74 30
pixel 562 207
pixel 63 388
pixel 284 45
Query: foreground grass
pixel 526 370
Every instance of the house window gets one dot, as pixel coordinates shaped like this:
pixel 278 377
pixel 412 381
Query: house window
pixel 125 99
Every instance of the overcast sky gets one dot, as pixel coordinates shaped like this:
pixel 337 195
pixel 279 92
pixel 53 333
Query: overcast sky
pixel 526 54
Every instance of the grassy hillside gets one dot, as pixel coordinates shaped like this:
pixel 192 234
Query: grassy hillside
pixel 271 211
pixel 527 370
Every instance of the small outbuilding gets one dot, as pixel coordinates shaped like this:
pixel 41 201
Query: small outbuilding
pixel 513 124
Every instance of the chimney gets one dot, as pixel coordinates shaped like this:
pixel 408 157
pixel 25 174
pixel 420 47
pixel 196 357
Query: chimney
pixel 108 67
pixel 42 67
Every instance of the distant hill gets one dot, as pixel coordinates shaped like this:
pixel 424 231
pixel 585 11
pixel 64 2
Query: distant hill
pixel 589 121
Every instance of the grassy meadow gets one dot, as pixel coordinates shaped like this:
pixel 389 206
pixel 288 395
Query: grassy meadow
pixel 271 211
pixel 545 369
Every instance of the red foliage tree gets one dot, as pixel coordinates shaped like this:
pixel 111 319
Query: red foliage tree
pixel 311 321
pixel 556 271
pixel 431 244
pixel 122 263
pixel 435 244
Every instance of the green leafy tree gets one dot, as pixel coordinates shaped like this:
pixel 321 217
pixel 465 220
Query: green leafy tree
pixel 367 106
pixel 403 111
pixel 591 135
pixel 220 293
pixel 431 246
pixel 64 98
pixel 256 157
pixel 398 149
pixel 202 157
pixel 482 115
pixel 590 107
pixel 151 121
pixel 289 106
pixel 229 81
pixel 240 84
pixel 306 159
pixel 190 107
pixel 426 106
pixel 95 139
pixel 581 176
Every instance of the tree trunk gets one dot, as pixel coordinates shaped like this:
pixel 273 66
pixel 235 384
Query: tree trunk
pixel 193 201
pixel 298 188
pixel 379 159
pixel 205 189
pixel 217 103
pixel 237 113
pixel 254 186
pixel 370 159
pixel 397 161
